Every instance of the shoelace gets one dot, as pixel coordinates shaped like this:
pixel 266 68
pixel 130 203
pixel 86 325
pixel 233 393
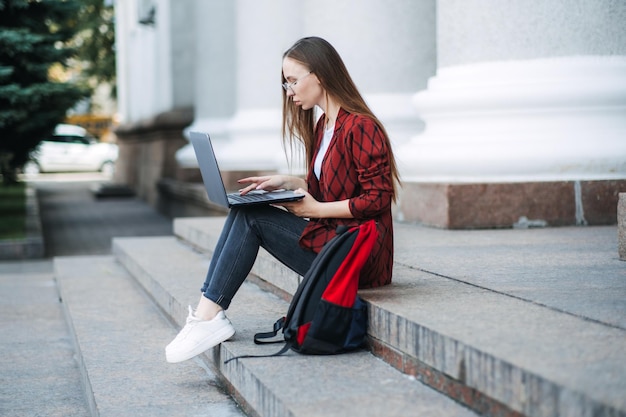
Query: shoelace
pixel 190 324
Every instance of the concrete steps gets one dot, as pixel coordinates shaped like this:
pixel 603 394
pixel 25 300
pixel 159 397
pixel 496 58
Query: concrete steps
pixel 481 329
pixel 295 385
pixel 506 323
pixel 38 373
pixel 119 336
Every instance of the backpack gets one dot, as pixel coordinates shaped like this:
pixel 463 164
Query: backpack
pixel 326 316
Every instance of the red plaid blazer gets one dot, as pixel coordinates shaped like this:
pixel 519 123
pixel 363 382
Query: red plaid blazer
pixel 355 167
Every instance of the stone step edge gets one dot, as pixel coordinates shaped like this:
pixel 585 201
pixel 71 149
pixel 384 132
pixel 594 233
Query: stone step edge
pixel 489 377
pixel 114 344
pixel 82 366
pixel 277 278
pixel 271 276
pixel 247 379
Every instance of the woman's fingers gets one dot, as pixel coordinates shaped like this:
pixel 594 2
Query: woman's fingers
pixel 268 183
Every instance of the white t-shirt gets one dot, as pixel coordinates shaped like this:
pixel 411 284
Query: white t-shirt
pixel 328 135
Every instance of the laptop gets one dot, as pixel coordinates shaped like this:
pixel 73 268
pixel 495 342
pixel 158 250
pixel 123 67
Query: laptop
pixel 212 179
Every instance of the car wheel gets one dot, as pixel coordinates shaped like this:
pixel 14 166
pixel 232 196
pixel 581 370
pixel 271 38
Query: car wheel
pixel 31 169
pixel 108 168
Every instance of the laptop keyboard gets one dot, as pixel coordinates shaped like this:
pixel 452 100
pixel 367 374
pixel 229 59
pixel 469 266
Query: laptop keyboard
pixel 249 198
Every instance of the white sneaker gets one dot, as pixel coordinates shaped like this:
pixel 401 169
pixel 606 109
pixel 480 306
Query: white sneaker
pixel 198 336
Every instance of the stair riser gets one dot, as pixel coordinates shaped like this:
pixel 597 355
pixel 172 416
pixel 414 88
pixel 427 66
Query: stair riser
pixel 484 383
pixel 529 394
pixel 82 367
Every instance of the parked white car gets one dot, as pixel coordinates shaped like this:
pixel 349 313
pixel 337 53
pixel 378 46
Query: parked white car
pixel 72 148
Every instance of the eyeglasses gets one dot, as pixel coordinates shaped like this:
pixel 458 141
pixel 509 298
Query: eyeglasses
pixel 289 86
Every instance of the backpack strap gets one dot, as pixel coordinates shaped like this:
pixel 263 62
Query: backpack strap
pixel 280 352
pixel 258 338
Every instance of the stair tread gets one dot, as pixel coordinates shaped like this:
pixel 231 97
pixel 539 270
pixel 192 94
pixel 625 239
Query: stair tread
pixel 446 322
pixel 285 385
pixel 120 335
pixel 570 269
pixel 456 319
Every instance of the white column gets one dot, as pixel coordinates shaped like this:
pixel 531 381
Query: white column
pixel 389 49
pixel 264 30
pixel 182 37
pixel 136 62
pixel 153 62
pixel 561 118
pixel 214 75
pixel 526 90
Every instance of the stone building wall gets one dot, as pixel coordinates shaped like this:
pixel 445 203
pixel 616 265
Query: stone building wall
pixel 498 111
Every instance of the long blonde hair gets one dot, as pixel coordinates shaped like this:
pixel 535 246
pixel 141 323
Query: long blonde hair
pixel 321 58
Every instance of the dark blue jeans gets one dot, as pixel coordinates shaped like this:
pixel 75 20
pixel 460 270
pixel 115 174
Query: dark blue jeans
pixel 246 229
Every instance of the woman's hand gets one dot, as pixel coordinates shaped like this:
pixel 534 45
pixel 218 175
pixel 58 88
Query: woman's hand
pixel 310 208
pixel 306 207
pixel 268 183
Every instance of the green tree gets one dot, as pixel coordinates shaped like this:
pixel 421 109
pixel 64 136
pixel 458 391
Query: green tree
pixel 95 42
pixel 33 37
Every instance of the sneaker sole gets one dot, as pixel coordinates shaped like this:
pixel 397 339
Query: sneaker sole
pixel 212 341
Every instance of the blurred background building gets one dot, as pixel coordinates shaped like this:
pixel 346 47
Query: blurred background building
pixel 502 113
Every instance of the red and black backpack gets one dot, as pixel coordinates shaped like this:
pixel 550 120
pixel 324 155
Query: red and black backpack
pixel 326 316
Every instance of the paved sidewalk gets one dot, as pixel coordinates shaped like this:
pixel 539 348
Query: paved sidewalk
pixel 39 375
pixel 74 222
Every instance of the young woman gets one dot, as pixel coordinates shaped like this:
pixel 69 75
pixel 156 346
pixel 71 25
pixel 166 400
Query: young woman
pixel 352 177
